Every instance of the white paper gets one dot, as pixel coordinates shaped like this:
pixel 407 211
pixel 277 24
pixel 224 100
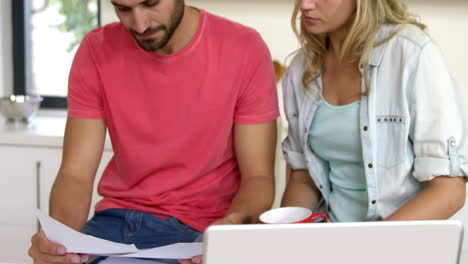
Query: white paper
pixel 114 260
pixel 174 251
pixel 76 242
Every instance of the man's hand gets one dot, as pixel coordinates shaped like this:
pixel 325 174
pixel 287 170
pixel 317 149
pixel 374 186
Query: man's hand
pixel 229 219
pixel 194 260
pixel 43 251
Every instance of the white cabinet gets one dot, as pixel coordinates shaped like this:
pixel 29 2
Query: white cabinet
pixel 48 167
pixel 18 189
pixel 26 175
pixel 15 242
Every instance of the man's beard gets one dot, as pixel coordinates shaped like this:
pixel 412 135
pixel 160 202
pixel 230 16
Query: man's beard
pixel 168 30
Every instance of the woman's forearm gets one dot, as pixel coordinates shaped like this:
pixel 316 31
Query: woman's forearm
pixel 442 198
pixel 300 191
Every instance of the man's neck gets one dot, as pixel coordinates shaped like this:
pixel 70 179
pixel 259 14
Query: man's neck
pixel 184 32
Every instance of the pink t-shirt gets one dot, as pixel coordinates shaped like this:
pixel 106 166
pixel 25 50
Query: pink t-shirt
pixel 170 118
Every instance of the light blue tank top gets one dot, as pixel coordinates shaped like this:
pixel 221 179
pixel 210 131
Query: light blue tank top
pixel 334 136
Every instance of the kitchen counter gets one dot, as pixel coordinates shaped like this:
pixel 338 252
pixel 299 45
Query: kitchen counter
pixel 45 130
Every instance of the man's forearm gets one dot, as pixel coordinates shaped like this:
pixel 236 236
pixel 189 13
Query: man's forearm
pixel 70 201
pixel 254 197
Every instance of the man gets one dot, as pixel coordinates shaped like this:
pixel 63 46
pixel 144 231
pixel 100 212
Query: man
pixel 190 104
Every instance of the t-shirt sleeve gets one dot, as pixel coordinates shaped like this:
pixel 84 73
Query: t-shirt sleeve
pixel 84 85
pixel 258 100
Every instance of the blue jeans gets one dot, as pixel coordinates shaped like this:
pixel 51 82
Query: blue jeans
pixel 142 229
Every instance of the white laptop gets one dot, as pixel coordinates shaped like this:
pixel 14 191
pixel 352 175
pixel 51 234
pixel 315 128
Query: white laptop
pixel 426 242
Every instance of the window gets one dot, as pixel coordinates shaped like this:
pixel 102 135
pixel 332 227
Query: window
pixel 46 35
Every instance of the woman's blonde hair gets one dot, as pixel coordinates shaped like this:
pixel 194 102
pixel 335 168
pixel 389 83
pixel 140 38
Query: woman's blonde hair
pixel 368 17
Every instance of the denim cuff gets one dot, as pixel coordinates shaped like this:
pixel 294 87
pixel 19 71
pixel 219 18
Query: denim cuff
pixel 427 168
pixel 295 160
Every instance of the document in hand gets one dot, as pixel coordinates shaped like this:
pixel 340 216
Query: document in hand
pixel 114 260
pixel 76 242
pixel 174 251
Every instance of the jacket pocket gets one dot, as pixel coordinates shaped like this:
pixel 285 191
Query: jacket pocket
pixel 390 140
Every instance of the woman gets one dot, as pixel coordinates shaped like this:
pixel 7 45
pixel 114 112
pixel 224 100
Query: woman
pixel 376 125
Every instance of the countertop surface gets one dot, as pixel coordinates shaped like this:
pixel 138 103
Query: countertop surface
pixel 45 130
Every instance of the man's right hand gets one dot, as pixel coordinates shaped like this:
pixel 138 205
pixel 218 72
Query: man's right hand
pixel 43 251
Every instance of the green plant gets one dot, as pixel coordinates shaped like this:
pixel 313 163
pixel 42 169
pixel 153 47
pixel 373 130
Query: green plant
pixel 80 17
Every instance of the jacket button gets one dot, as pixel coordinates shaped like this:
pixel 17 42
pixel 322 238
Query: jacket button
pixel 374 201
pixel 365 128
pixel 370 165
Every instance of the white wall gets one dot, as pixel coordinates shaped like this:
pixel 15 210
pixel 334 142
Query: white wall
pixel 6 60
pixel 107 12
pixel 447 21
pixel 448 25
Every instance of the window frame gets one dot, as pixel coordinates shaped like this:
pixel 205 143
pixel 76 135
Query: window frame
pixel 21 50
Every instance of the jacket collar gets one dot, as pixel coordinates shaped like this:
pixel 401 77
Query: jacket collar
pixel 377 52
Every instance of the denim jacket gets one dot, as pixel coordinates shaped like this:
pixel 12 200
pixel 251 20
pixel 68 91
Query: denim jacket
pixel 413 122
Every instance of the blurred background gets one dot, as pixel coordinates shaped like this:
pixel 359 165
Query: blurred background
pixel 38 39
